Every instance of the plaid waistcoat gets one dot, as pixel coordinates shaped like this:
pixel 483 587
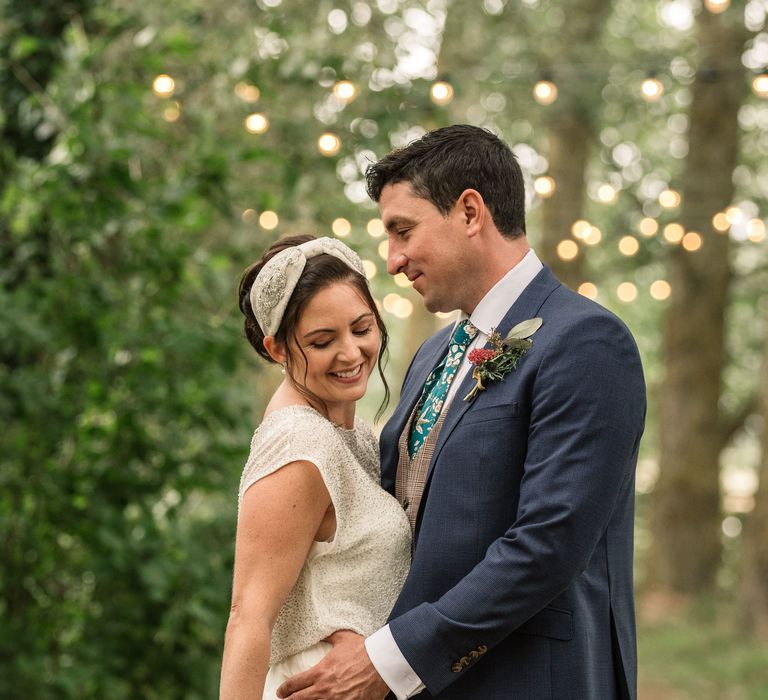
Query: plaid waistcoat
pixel 412 471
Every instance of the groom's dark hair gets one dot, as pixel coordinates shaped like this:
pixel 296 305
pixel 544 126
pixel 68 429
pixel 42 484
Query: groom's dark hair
pixel 443 163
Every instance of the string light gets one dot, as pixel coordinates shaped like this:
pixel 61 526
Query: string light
pixel 345 90
pixel 629 246
pixel 401 280
pixel 734 215
pixel 249 216
pixel 268 220
pixel 390 300
pixel 370 269
pixel 328 144
pixel 163 85
pixel 567 250
pixel 341 227
pixel 544 186
pixel 673 233
pixel 545 92
pixel 626 292
pixel 375 228
pixel 669 199
pixel 256 123
pixel 247 92
pixel 648 227
pixel 441 93
pixel 403 308
pixel 581 229
pixel 692 241
pixel 588 289
pixel 606 194
pixel 760 84
pixel 660 290
pixel 717 6
pixel 720 222
pixel 172 112
pixel 594 236
pixel 756 230
pixel 652 89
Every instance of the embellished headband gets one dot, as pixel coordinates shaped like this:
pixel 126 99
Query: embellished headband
pixel 274 285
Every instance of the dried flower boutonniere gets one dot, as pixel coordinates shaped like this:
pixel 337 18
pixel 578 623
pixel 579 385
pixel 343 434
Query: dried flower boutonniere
pixel 494 363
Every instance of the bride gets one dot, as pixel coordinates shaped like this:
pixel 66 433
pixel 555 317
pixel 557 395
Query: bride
pixel 320 547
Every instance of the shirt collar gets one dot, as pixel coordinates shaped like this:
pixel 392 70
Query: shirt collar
pixel 489 313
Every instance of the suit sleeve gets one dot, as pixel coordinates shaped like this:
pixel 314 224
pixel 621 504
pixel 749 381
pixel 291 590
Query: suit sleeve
pixel 587 410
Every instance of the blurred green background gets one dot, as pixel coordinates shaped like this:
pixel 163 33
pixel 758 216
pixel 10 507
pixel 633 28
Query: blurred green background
pixel 149 151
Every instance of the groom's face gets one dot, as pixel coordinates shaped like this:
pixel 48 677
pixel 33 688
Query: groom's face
pixel 425 245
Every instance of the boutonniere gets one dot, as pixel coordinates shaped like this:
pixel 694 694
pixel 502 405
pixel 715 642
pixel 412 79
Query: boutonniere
pixel 494 363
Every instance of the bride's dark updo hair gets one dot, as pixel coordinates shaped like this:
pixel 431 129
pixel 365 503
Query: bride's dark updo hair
pixel 320 272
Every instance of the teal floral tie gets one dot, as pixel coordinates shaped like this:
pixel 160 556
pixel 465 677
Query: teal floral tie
pixel 437 385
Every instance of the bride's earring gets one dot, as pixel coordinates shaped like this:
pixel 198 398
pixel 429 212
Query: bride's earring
pixel 283 367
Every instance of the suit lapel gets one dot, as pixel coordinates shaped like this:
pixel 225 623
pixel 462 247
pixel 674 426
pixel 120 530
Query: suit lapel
pixel 526 306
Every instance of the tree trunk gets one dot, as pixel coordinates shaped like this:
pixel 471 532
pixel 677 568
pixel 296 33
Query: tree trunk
pixel 754 581
pixel 570 141
pixel 686 504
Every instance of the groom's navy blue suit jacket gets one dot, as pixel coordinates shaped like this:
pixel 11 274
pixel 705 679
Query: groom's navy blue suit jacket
pixel 521 583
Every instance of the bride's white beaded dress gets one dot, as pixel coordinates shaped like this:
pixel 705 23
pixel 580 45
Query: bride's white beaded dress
pixel 352 581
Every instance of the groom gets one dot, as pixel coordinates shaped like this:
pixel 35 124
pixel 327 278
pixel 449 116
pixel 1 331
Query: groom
pixel 521 499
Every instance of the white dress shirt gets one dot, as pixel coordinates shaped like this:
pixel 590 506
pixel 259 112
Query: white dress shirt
pixel 382 649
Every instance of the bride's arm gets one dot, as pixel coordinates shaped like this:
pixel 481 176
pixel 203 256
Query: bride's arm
pixel 279 518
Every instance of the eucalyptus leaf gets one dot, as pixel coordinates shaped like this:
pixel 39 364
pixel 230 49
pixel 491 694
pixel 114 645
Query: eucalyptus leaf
pixel 524 329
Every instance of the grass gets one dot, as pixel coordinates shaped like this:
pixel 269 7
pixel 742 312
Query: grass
pixel 698 652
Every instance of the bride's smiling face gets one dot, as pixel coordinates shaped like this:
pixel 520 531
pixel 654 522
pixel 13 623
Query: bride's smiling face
pixel 338 344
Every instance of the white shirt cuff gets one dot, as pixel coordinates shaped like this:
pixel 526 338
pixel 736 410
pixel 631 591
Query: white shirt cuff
pixel 391 665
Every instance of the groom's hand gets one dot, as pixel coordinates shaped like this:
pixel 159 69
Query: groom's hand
pixel 345 673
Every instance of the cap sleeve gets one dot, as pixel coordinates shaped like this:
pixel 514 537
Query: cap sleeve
pixel 288 436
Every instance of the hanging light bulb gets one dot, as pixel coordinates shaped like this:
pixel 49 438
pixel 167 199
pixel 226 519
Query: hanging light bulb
pixel 441 92
pixel 652 88
pixel 545 92
pixel 760 84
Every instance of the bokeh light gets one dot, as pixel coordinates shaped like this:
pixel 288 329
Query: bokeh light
pixel 247 92
pixel 607 193
pixel 441 93
pixel 594 236
pixel 628 245
pixel 370 269
pixel 669 199
pixel 756 230
pixel 269 220
pixel 345 90
pixel 626 292
pixel 567 249
pixel 163 85
pixel 328 144
pixel 256 123
pixel 720 222
pixel 760 84
pixel 652 89
pixel 375 228
pixel 717 6
pixel 673 233
pixel 588 289
pixel 660 290
pixel 383 250
pixel 341 227
pixel 544 186
pixel 692 241
pixel 648 227
pixel 545 92
pixel 580 229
